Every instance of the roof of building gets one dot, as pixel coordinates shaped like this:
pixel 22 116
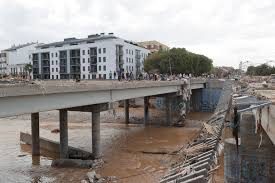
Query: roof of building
pixel 19 46
pixel 152 42
pixel 90 39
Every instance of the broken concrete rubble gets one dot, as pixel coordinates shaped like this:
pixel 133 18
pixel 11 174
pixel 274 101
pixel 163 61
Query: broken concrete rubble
pixel 93 177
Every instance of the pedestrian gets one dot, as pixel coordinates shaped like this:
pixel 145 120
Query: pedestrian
pixel 119 75
pixel 110 75
pixel 127 76
pixel 122 75
pixel 114 74
pixel 236 127
pixel 131 76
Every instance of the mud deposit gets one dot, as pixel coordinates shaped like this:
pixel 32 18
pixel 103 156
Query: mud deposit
pixel 130 151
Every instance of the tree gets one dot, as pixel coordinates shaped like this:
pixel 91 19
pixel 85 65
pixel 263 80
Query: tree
pixel 261 70
pixel 28 68
pixel 178 60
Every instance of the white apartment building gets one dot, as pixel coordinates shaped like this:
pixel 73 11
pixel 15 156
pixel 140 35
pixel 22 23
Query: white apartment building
pixel 99 56
pixel 14 59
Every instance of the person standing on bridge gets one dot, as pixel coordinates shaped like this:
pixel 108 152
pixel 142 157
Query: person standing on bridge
pixel 236 127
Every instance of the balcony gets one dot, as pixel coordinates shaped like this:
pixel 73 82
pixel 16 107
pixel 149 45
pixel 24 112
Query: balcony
pixel 77 71
pixel 138 56
pixel 46 71
pixel 63 70
pixel 75 63
pixel 35 66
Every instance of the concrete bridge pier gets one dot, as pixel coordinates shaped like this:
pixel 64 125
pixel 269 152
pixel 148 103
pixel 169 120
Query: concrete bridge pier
pixel 63 126
pixel 146 110
pixel 95 112
pixel 96 134
pixel 168 108
pixel 35 134
pixel 126 110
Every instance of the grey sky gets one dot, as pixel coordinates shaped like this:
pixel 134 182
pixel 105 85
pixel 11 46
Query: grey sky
pixel 227 31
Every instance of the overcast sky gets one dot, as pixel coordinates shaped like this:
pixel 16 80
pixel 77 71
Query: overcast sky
pixel 227 31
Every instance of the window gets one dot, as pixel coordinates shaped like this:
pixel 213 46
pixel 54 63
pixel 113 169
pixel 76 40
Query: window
pixel 83 52
pixel 99 68
pixel 56 55
pixel 88 52
pixel 126 59
pixel 104 59
pixel 52 62
pixel 88 60
pixel 83 60
pixel 89 77
pixel 104 68
pixel 132 68
pixel 126 51
pixel 104 50
pixel 56 76
pixel 52 54
pixel 89 69
pixel 52 76
pixel 52 69
pixel 99 50
pixel 83 68
pixel 99 59
pixel 104 76
pixel 56 69
pixel 83 76
pixel 56 62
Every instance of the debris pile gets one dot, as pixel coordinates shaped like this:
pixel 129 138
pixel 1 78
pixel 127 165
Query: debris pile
pixel 199 158
pixel 93 177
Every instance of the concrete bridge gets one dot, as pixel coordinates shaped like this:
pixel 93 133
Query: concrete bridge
pixel 86 96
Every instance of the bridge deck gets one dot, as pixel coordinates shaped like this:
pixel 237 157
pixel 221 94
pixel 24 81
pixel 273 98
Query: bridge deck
pixel 51 95
pixel 61 86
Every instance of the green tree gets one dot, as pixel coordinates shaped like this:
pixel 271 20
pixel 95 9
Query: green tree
pixel 28 68
pixel 261 70
pixel 178 60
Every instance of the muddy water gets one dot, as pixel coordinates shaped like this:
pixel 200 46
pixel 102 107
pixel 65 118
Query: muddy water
pixel 127 150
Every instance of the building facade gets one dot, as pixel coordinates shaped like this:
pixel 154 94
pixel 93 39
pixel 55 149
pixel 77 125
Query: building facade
pixel 14 59
pixel 98 56
pixel 154 46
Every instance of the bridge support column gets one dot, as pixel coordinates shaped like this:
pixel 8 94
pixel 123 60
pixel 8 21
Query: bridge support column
pixel 96 134
pixel 146 110
pixel 168 106
pixel 126 109
pixel 63 126
pixel 35 134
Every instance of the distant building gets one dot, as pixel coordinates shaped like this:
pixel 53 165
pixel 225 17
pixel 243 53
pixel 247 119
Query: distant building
pixel 14 59
pixel 99 56
pixel 154 46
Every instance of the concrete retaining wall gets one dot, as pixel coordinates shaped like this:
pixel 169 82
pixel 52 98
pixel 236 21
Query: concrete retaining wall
pixel 268 120
pixel 257 163
pixel 205 100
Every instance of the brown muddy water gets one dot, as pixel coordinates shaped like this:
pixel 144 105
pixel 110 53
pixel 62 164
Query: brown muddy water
pixel 123 147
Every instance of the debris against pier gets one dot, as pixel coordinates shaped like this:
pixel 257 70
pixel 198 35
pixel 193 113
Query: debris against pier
pixel 199 158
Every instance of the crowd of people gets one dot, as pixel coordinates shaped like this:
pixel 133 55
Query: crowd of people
pixel 128 76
